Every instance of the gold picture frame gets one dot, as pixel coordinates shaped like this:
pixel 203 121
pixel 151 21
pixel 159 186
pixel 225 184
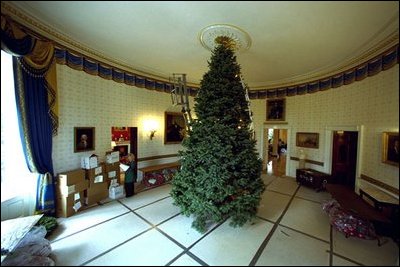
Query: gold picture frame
pixel 390 148
pixel 310 140
pixel 174 128
pixel 276 110
pixel 84 139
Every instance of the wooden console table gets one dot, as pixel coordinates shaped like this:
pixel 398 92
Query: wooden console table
pixel 352 202
pixel 355 204
pixel 312 178
pixel 387 205
pixel 379 198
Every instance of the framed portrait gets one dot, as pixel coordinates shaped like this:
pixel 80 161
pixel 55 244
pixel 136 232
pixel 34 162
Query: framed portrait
pixel 310 140
pixel 390 148
pixel 84 139
pixel 174 128
pixel 276 109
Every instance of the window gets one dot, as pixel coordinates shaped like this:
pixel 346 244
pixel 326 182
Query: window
pixel 16 179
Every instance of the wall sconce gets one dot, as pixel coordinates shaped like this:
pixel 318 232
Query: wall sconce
pixel 152 132
pixel 150 126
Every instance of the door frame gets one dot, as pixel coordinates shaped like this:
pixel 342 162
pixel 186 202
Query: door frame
pixel 288 143
pixel 329 148
pixel 134 144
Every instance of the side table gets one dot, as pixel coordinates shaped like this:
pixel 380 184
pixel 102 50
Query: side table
pixel 386 204
pixel 312 178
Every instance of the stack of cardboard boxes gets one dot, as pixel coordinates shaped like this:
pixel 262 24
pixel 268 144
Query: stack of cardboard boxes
pixel 113 174
pixel 70 192
pixel 98 188
pixel 89 185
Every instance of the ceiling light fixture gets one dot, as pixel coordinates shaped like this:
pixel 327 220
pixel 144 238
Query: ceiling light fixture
pixel 226 34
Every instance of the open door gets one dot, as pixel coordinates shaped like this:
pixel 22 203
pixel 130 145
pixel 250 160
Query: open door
pixel 124 140
pixel 275 151
pixel 344 158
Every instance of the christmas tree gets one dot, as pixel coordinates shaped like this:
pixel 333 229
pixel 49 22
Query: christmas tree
pixel 220 173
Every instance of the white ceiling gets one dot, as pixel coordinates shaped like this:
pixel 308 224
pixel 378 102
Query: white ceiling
pixel 290 41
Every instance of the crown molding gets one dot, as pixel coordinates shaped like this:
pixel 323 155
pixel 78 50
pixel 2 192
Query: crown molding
pixel 35 27
pixel 383 46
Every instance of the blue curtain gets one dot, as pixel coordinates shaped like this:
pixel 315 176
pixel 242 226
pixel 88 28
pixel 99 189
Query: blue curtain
pixel 16 47
pixel 31 60
pixel 36 131
pixel 33 112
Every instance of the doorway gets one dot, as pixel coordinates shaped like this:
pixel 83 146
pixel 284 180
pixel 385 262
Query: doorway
pixel 124 140
pixel 275 151
pixel 344 158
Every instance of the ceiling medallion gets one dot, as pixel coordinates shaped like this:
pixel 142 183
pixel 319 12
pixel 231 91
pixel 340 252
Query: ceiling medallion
pixel 225 34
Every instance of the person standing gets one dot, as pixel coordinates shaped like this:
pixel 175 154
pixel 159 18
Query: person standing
pixel 270 148
pixel 281 146
pixel 130 176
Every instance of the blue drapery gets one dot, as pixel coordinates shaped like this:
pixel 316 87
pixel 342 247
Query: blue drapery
pixel 31 92
pixel 36 132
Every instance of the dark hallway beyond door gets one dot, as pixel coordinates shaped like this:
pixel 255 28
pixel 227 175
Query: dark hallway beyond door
pixel 344 158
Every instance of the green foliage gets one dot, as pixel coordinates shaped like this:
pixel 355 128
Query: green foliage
pixel 50 223
pixel 220 174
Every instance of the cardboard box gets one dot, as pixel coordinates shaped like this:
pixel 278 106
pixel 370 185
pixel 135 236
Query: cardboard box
pixel 112 166
pixel 112 175
pixel 112 172
pixel 96 175
pixel 68 206
pixel 95 193
pixel 71 177
pixel 116 192
pixel 65 190
pixel 89 162
pixel 112 156
pixel 113 182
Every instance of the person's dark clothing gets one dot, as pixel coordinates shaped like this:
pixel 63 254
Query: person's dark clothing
pixel 130 179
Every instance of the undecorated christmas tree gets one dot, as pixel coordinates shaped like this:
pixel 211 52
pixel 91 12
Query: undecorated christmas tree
pixel 220 173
